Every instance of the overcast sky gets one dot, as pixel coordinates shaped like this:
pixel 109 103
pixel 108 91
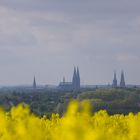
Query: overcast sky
pixel 47 38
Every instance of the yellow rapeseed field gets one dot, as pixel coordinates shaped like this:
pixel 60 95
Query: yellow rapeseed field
pixel 78 123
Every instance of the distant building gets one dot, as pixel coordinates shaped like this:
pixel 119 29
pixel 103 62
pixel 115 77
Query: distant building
pixel 76 80
pixel 34 83
pixel 71 86
pixel 122 82
pixel 65 86
pixel 114 84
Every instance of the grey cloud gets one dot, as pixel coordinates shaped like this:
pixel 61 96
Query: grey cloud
pixel 41 36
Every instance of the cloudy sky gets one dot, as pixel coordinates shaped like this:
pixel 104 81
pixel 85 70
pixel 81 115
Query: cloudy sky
pixel 47 38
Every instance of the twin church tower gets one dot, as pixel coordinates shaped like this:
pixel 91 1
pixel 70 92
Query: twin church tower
pixel 71 86
pixel 122 82
pixel 76 79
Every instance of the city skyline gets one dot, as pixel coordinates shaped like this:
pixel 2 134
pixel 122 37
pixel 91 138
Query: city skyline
pixel 118 80
pixel 47 38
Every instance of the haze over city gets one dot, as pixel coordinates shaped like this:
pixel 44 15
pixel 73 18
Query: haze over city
pixel 47 38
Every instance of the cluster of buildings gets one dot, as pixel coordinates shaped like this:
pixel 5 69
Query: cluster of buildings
pixel 75 84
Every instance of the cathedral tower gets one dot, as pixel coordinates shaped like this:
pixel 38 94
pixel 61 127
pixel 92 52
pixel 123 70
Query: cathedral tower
pixel 122 82
pixel 114 84
pixel 34 83
pixel 76 79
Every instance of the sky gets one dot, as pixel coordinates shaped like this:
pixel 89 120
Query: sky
pixel 47 38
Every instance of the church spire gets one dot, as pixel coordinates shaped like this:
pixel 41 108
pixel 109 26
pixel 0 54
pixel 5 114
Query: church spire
pixel 78 78
pixel 34 83
pixel 74 79
pixel 122 82
pixel 114 84
pixel 74 75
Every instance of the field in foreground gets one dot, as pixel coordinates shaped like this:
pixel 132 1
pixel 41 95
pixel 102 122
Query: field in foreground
pixel 78 123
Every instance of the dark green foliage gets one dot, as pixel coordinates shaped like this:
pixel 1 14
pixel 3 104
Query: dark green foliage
pixel 47 102
pixel 113 100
